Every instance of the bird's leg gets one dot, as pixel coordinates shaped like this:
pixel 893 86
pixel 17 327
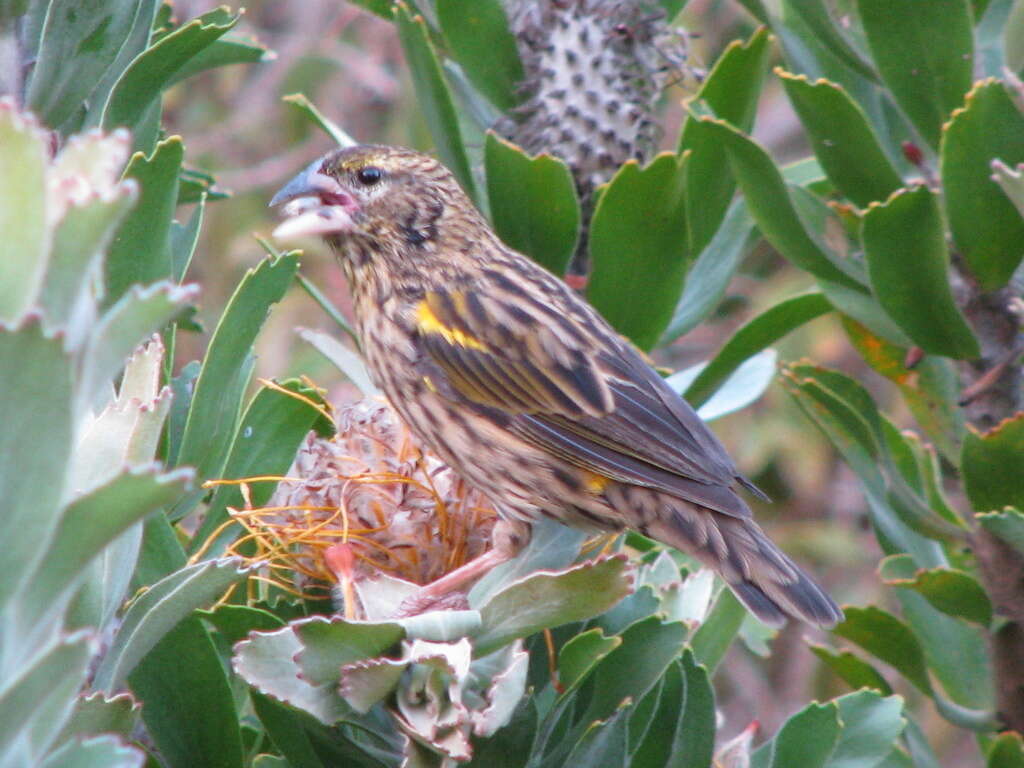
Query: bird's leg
pixel 507 539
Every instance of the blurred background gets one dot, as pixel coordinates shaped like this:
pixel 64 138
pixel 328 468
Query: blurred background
pixel 349 62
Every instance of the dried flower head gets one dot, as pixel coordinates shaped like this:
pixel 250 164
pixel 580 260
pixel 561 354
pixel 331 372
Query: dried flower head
pixel 394 506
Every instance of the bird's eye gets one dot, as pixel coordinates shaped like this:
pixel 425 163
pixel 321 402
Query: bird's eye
pixel 369 175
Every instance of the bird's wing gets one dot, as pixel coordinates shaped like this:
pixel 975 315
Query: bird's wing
pixel 565 382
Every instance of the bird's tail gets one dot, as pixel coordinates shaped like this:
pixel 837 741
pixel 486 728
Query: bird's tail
pixel 761 575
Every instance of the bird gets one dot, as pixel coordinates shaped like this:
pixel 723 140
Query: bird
pixel 521 386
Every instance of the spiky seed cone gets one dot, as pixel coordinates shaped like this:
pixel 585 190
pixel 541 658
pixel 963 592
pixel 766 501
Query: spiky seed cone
pixel 401 509
pixel 594 70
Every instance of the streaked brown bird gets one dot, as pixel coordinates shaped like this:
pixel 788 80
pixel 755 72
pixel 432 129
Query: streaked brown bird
pixel 519 385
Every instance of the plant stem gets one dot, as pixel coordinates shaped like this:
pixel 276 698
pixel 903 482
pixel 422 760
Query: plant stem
pixel 998 395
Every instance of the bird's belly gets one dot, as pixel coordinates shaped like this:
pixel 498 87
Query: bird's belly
pixel 519 478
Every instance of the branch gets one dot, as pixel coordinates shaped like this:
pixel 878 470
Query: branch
pixel 993 391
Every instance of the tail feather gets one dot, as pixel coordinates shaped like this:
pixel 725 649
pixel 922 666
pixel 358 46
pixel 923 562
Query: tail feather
pixel 763 577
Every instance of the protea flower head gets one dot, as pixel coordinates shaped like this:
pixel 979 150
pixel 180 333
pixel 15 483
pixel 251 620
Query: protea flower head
pixel 371 500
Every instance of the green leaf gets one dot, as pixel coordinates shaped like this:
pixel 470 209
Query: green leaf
pixel 366 683
pixel 719 628
pixel 95 713
pixel 139 312
pixel 1013 39
pixel 222 381
pixel 270 761
pixel 886 637
pixel 682 733
pixel 139 88
pixel 730 92
pixel 930 390
pixel 284 726
pixel 158 610
pixel 314 115
pixel 871 726
pixel 1006 751
pixel 756 335
pixel 505 749
pixel 843 139
pixel 552 546
pixel 806 739
pixel 383 8
pixel 951 591
pixel 908 263
pixel 88 34
pixel 533 203
pixel 849 430
pixel 987 228
pixel 222 53
pixel 848 415
pixel 546 600
pixel 188 708
pixel 688 601
pixel 160 554
pixel 433 95
pixel 710 274
pixel 330 643
pixel 23 225
pixel 1011 181
pixel 604 741
pixel 641 720
pixel 863 308
pixel 816 16
pixel 856 672
pixel 851 421
pixel 11 9
pixel 136 41
pixel 992 464
pixel 756 9
pixel 194 185
pixel 746 384
pixel 183 240
pixel 1008 525
pixel 78 244
pixel 36 700
pixel 182 387
pixel 918 747
pixel 140 252
pixel 235 622
pixel 89 524
pixel 506 672
pixel 32 366
pixel 643 602
pixel 267 661
pixel 924 53
pixel 345 359
pixel 631 670
pixel 268 436
pixel 477 32
pixel 578 657
pixel 98 752
pixel 866 422
pixel 773 210
pixel 638 251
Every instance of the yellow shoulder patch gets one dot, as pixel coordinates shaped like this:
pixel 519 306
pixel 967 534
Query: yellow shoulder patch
pixel 595 483
pixel 428 322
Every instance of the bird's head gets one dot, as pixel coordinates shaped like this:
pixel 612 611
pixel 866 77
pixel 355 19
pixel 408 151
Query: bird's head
pixel 373 195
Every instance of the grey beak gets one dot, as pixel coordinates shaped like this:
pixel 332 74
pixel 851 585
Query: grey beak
pixel 308 182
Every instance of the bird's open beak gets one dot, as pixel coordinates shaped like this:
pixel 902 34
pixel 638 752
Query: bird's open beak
pixel 314 204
